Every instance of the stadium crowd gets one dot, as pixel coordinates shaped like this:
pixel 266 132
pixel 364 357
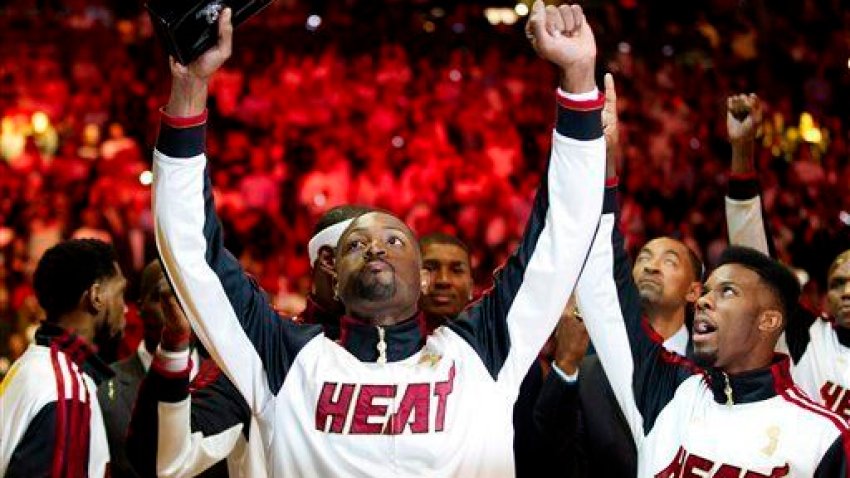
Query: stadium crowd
pixel 369 222
pixel 455 135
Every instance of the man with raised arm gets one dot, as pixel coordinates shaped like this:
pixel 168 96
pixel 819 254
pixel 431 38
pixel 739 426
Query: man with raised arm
pixel 668 277
pixel 385 399
pixel 219 424
pixel 736 411
pixel 819 344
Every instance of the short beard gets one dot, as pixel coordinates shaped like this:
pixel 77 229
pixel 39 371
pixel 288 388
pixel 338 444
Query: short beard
pixel 649 297
pixel 705 359
pixel 103 333
pixel 373 290
pixel 107 342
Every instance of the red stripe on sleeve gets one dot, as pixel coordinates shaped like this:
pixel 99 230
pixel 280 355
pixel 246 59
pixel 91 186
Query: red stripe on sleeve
pixel 587 105
pixel 59 439
pixel 74 458
pixel 183 121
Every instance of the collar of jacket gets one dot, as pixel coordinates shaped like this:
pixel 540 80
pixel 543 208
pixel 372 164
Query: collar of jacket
pixel 76 349
pixel 753 386
pixel 843 333
pixel 316 314
pixel 402 340
pixel 434 321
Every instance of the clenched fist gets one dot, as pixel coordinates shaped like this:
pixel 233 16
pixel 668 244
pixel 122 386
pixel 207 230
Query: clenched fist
pixel 743 117
pixel 571 339
pixel 563 36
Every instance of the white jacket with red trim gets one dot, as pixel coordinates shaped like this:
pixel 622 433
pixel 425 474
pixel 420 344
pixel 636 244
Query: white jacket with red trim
pixel 819 350
pixel 46 392
pixel 442 404
pixel 690 422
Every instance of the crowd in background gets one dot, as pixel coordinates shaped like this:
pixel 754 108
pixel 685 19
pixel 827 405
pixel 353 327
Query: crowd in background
pixel 423 108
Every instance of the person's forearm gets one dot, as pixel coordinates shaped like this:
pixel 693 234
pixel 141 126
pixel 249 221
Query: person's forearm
pixel 742 157
pixel 610 162
pixel 578 78
pixel 188 97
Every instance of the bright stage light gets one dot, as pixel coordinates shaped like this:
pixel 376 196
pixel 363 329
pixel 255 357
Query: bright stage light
pixel 40 122
pixel 844 217
pixel 521 9
pixel 314 22
pixel 493 15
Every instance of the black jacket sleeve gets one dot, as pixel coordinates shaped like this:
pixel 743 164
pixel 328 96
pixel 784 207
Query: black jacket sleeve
pixel 33 456
pixel 834 463
pixel 643 375
pixel 216 407
pixel 513 320
pixel 558 420
pixel 231 314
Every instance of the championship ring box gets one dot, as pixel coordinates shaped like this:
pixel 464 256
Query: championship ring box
pixel 188 28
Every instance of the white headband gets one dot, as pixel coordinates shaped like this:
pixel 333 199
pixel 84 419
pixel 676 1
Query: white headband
pixel 328 236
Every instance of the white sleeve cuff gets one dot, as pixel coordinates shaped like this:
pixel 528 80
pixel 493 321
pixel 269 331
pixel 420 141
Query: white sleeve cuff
pixel 569 378
pixel 587 96
pixel 173 361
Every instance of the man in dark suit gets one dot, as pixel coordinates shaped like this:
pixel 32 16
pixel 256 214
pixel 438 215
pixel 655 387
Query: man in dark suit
pixel 599 440
pixel 118 395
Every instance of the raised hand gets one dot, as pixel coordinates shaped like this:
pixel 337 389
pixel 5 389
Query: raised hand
pixel 563 36
pixel 189 85
pixel 571 339
pixel 205 65
pixel 176 330
pixel 609 126
pixel 743 117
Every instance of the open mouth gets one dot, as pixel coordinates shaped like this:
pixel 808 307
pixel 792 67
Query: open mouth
pixel 440 299
pixel 703 329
